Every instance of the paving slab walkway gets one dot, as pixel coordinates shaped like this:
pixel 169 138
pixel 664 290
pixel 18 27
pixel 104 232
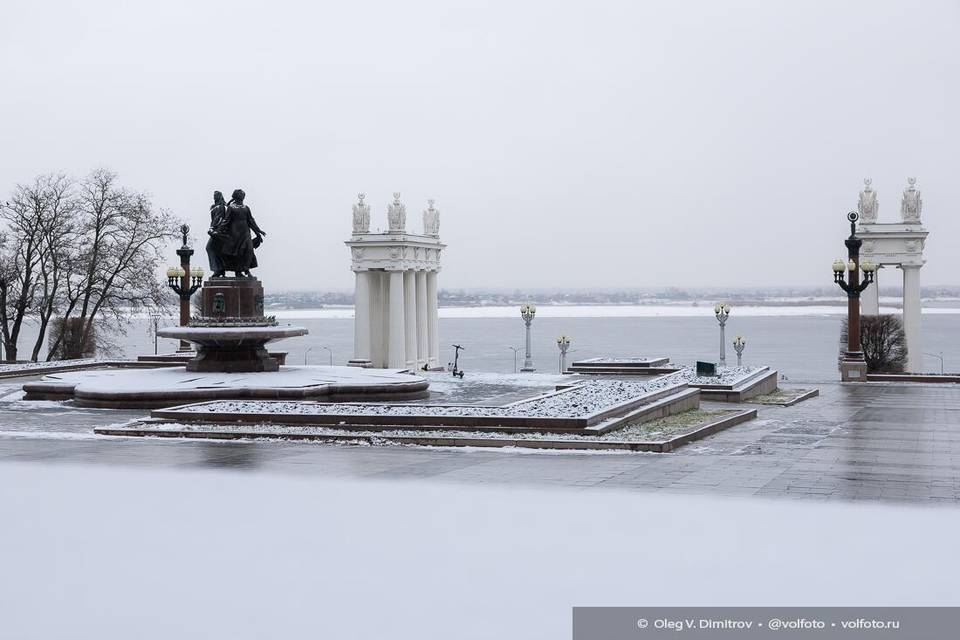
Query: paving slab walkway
pixel 896 442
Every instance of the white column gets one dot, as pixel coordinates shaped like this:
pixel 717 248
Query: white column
pixel 423 343
pixel 870 298
pixel 361 317
pixel 377 303
pixel 396 338
pixel 410 317
pixel 911 317
pixel 433 321
pixel 385 319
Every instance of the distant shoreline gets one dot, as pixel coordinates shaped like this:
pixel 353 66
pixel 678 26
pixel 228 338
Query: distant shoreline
pixel 676 310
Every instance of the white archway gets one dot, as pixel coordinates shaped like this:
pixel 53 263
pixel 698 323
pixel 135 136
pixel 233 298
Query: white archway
pixel 895 244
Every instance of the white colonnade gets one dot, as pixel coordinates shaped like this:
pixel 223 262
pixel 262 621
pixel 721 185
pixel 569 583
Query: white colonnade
pixel 900 245
pixel 404 334
pixel 395 297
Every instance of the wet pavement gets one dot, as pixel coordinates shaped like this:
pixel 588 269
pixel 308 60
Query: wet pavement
pixel 855 442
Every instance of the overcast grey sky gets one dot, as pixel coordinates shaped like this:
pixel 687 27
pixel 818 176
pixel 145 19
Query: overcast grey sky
pixel 567 143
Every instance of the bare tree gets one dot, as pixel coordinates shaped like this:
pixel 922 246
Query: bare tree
pixel 58 239
pixel 77 253
pixel 22 252
pixel 120 242
pixel 883 342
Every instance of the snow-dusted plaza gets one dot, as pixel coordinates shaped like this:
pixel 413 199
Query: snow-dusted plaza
pixel 517 320
pixel 889 441
pixel 525 534
pixel 146 388
pixel 385 401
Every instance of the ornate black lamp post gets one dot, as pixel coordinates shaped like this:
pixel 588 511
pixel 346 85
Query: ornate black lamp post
pixel 184 282
pixel 853 366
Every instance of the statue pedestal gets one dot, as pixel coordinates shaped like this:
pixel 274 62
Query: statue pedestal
pixel 224 349
pixel 853 368
pixel 232 298
pixel 232 334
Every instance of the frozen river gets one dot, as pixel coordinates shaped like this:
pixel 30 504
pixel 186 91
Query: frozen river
pixel 801 342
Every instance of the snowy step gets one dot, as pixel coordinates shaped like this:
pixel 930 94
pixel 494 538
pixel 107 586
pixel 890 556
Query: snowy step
pixel 572 409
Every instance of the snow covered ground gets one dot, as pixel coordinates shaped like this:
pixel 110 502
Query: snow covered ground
pixel 639 360
pixel 645 432
pixel 726 375
pixel 114 553
pixel 178 379
pixel 443 382
pixel 26 367
pixel 584 399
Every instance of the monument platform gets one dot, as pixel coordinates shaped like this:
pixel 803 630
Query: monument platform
pixel 182 357
pixel 732 384
pixel 638 365
pixel 167 387
pixel 223 349
pixel 232 334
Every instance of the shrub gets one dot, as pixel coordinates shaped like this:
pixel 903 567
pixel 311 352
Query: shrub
pixel 883 342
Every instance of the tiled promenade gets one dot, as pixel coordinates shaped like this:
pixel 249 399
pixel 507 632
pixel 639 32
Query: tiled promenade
pixel 860 442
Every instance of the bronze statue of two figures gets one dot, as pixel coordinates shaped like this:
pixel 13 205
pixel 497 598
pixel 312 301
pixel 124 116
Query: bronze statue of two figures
pixel 230 247
pixel 234 328
pixel 239 300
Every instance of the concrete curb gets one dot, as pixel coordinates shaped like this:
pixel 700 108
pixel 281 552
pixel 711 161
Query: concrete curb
pixel 103 364
pixel 912 377
pixel 758 384
pixel 664 446
pixel 398 391
pixel 659 401
pixel 812 393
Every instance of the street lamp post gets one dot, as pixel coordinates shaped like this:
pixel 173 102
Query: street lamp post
pixel 853 366
pixel 330 353
pixel 527 312
pixel 184 281
pixel 515 350
pixel 739 344
pixel 722 311
pixel 563 343
pixel 155 319
pixel 938 357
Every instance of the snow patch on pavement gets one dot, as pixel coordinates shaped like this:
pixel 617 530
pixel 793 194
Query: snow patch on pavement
pixel 582 400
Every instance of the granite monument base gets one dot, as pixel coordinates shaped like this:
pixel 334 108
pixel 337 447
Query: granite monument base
pixel 232 298
pixel 853 369
pixel 232 333
pixel 239 359
pixel 230 349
